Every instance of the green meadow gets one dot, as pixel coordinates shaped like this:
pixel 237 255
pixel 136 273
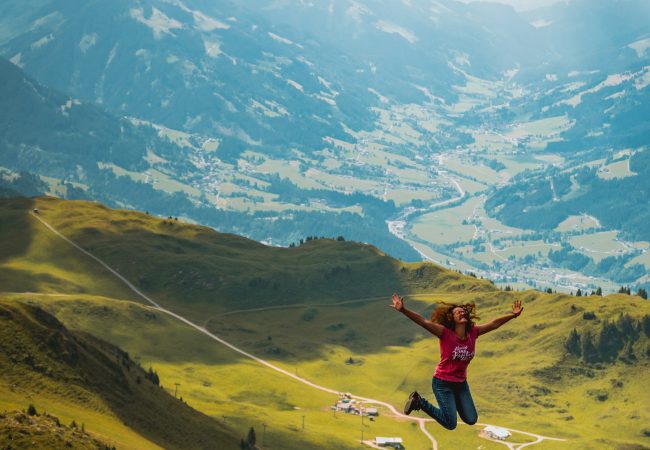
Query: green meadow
pixel 334 328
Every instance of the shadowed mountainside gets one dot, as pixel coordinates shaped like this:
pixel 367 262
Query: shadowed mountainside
pixel 37 350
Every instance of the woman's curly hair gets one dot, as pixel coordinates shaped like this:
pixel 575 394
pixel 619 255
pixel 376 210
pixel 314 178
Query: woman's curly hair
pixel 443 314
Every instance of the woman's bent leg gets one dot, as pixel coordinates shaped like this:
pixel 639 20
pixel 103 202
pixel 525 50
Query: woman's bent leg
pixel 465 404
pixel 445 413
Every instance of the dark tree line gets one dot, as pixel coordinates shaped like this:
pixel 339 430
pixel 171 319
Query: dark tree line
pixel 614 340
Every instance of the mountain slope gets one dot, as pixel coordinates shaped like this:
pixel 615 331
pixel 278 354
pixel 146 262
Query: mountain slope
pixel 39 354
pixel 363 346
pixel 198 269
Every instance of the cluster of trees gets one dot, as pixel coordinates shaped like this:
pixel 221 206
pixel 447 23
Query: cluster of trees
pixel 313 238
pixel 598 292
pixel 152 376
pixel 613 340
pixel 641 292
pixel 249 442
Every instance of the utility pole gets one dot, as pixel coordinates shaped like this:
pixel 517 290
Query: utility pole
pixel 263 434
pixel 176 390
pixel 303 423
pixel 361 414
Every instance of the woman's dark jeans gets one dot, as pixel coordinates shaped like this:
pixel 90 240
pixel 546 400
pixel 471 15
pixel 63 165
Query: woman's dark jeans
pixel 452 397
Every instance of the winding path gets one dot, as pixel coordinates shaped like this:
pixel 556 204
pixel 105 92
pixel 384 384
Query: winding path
pixel 421 421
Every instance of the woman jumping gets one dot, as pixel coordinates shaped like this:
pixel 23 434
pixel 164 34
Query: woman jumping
pixel 454 326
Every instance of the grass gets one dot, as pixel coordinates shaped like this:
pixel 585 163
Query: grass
pixel 582 222
pixel 618 169
pixel 31 261
pixel 405 196
pixel 514 378
pixel 445 227
pixel 479 171
pixel 391 359
pixel 21 430
pixel 548 127
pixel 599 245
pixel 198 270
pixel 76 374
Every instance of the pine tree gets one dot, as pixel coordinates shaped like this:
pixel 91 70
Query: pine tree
pixel 642 293
pixel 610 342
pixel 251 439
pixel 627 328
pixel 31 410
pixel 599 291
pixel 645 325
pixel 579 293
pixel 572 344
pixel 588 350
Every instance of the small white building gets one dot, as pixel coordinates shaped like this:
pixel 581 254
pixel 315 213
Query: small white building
pixel 341 406
pixel 496 432
pixel 395 442
pixel 371 412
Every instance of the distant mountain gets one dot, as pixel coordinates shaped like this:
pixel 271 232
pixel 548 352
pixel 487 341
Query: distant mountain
pixel 267 75
pixel 286 119
pixel 46 132
pixel 87 153
pixel 197 66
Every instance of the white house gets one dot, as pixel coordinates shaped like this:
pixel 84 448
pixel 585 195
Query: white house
pixel 371 412
pixel 496 432
pixel 395 442
pixel 341 406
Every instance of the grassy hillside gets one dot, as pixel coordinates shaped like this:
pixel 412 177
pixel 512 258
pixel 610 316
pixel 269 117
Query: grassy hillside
pixel 524 376
pixel 98 384
pixel 21 430
pixel 198 271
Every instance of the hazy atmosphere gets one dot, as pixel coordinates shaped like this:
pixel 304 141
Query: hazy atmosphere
pixel 207 205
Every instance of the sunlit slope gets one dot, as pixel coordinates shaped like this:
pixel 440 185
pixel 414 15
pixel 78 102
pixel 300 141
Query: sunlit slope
pixel 194 269
pixel 76 376
pixel 521 378
pixel 32 259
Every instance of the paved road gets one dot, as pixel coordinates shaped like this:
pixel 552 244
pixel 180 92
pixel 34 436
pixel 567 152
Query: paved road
pixel 421 421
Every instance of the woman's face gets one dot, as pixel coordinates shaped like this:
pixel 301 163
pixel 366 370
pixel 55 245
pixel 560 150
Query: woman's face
pixel 459 314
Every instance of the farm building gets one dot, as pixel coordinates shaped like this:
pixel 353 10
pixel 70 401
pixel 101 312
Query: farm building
pixel 496 432
pixel 395 442
pixel 341 406
pixel 372 412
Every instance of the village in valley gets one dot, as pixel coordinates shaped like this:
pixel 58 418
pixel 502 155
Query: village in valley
pixel 347 404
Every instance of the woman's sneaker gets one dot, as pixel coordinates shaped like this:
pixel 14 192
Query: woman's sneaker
pixel 413 403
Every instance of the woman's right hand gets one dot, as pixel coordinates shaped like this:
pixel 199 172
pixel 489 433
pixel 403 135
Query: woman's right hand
pixel 398 303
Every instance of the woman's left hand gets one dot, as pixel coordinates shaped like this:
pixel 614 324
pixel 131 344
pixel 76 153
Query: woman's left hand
pixel 517 308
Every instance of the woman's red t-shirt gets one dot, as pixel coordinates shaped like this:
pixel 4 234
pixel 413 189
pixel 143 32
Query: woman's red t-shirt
pixel 455 355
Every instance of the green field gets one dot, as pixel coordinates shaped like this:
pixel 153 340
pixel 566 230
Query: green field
pixel 578 223
pixel 444 227
pixel 618 169
pixel 599 245
pixel 363 347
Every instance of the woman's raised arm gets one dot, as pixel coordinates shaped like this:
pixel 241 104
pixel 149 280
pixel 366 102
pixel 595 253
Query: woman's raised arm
pixel 434 328
pixel 496 323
